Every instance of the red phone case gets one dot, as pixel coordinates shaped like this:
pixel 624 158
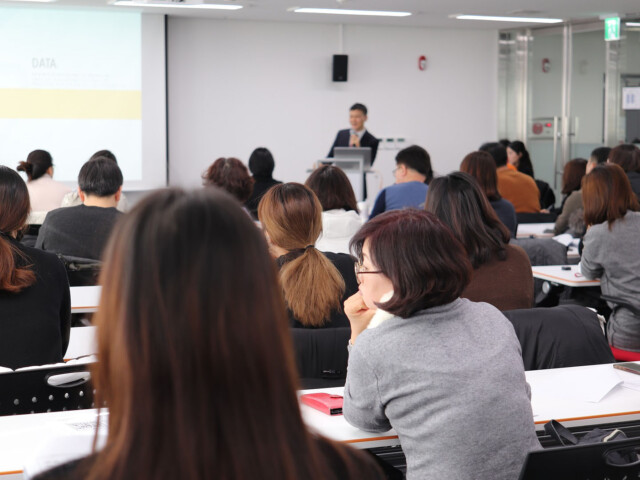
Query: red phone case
pixel 325 402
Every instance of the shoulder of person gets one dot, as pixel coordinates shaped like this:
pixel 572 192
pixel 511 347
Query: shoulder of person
pixel 42 259
pixel 340 260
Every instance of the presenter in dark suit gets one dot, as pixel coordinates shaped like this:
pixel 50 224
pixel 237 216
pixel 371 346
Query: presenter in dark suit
pixel 356 136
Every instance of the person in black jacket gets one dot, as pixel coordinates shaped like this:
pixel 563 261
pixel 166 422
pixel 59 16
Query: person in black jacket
pixel 357 135
pixel 35 305
pixel 261 165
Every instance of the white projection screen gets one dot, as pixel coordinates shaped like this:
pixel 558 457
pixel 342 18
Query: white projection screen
pixel 73 82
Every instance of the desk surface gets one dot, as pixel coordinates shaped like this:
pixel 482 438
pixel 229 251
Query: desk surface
pixel 535 230
pixel 85 299
pixel 81 342
pixel 571 277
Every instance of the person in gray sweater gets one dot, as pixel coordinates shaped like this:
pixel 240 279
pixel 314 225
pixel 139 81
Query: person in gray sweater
pixel 446 373
pixel 611 250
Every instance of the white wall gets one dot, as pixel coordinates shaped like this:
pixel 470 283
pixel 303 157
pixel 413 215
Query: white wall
pixel 234 86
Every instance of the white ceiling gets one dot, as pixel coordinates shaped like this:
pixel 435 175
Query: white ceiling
pixel 426 13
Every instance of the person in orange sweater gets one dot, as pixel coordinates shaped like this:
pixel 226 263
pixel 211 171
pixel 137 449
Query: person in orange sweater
pixel 520 189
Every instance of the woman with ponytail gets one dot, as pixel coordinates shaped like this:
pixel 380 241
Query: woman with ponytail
pixel 315 284
pixel 35 305
pixel 45 193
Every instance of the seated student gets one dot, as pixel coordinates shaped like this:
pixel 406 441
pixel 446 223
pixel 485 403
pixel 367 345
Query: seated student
pixel 518 156
pixel 444 372
pixel 314 283
pixel 598 156
pixel 35 305
pixel 480 165
pixel 340 214
pixel 82 231
pixel 572 176
pixel 501 272
pixel 261 165
pixel 72 198
pixel 231 175
pixel 198 377
pixel 45 193
pixel 520 189
pixel 627 156
pixel 413 173
pixel 611 252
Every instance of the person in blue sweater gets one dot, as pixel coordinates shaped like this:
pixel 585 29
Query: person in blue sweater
pixel 413 173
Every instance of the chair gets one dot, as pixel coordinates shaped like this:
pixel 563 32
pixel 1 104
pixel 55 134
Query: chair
pixel 82 272
pixel 562 336
pixel 542 251
pixel 50 388
pixel 321 356
pixel 619 354
pixel 536 217
pixel 30 236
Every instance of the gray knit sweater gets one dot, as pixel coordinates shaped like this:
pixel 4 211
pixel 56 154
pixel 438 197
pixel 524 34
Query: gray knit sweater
pixel 614 257
pixel 450 381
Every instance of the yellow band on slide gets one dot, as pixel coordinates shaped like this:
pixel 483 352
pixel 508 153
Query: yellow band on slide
pixel 95 104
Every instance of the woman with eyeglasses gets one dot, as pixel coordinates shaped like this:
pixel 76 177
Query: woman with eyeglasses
pixel 315 284
pixel 199 381
pixel 444 372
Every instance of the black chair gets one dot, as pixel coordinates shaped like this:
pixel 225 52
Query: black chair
pixel 321 356
pixel 82 272
pixel 536 217
pixel 562 336
pixel 547 197
pixel 50 389
pixel 543 251
pixel 30 236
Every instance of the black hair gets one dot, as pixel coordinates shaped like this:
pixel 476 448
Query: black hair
pixel 104 153
pixel 524 164
pixel 418 159
pixel 100 177
pixel 359 106
pixel 261 163
pixel 497 151
pixel 36 165
pixel 601 154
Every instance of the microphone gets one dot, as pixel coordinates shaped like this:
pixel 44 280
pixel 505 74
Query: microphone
pixel 352 132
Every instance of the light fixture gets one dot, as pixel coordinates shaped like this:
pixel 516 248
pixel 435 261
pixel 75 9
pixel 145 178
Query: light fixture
pixel 193 6
pixel 35 1
pixel 632 24
pixel 341 11
pixel 508 19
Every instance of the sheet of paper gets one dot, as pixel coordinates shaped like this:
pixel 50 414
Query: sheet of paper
pixel 587 385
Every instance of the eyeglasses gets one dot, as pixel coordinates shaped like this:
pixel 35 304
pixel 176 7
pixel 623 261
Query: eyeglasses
pixel 358 268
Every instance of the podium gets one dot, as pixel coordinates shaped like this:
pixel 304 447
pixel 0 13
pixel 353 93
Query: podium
pixel 356 163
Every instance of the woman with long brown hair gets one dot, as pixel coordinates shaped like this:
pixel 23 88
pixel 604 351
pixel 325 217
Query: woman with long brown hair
pixel 35 305
pixel 196 365
pixel 315 284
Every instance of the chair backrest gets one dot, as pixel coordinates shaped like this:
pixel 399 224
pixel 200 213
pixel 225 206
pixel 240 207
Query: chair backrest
pixel 82 272
pixel 321 356
pixel 542 251
pixel 536 217
pixel 562 336
pixel 46 389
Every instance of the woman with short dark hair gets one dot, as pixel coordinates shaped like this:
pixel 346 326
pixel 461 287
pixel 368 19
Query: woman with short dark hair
pixel 611 252
pixel 501 271
pixel 231 175
pixel 433 366
pixel 340 214
pixel 196 363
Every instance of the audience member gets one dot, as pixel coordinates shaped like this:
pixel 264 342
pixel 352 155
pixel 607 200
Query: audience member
pixel 480 165
pixel 520 189
pixel 413 173
pixel 261 165
pixel 598 155
pixel 314 283
pixel 231 175
pixel 34 293
pixel 340 214
pixel 430 365
pixel 572 176
pixel 501 272
pixel 45 193
pixel 610 250
pixel 82 231
pixel 518 156
pixel 72 198
pixel 196 364
pixel 627 156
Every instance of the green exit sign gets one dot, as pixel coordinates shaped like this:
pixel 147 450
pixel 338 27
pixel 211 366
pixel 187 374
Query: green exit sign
pixel 612 29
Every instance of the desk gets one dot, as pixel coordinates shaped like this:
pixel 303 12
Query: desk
pixel 85 299
pixel 535 230
pixel 555 274
pixel 81 342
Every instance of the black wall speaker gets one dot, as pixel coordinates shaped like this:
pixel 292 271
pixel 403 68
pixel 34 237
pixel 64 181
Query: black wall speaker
pixel 340 64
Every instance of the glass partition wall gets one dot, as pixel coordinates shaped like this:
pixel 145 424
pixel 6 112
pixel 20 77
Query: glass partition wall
pixel 561 92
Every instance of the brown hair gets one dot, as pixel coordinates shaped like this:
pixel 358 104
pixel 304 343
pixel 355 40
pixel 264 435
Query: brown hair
pixel 607 195
pixel 457 200
pixel 291 215
pixel 482 167
pixel 36 165
pixel 333 188
pixel 627 156
pixel 231 175
pixel 196 362
pixel 572 175
pixel 14 198
pixel 426 264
